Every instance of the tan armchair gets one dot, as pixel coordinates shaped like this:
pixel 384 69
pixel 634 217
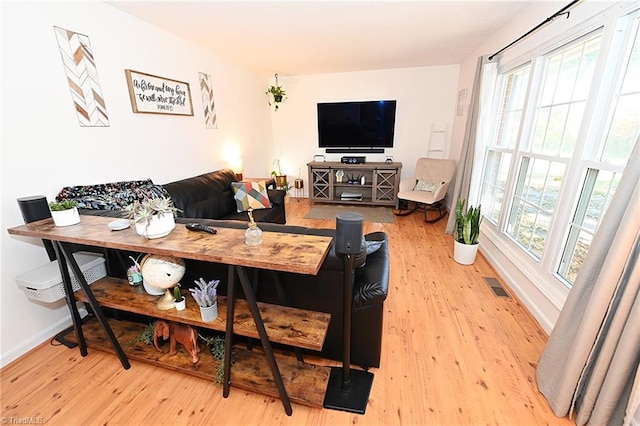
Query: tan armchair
pixel 427 189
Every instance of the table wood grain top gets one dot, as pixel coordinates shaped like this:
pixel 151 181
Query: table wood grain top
pixel 295 253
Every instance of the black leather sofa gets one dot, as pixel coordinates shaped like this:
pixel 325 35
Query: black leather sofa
pixel 210 196
pixel 207 196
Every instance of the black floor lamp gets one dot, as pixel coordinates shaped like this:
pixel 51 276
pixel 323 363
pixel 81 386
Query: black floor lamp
pixel 348 390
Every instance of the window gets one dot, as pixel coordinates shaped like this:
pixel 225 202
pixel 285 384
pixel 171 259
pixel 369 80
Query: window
pixel 602 177
pixel 566 123
pixel 566 80
pixel 498 157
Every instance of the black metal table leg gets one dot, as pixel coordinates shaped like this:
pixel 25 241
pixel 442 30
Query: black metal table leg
pixel 71 299
pixel 264 339
pixel 93 303
pixel 228 335
pixel 275 276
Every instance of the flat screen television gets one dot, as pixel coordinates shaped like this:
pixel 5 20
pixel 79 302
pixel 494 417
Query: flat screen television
pixel 356 126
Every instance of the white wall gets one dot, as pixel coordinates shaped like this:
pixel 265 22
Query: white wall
pixel 425 96
pixel 44 149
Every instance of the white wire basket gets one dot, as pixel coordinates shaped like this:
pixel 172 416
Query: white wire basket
pixel 45 283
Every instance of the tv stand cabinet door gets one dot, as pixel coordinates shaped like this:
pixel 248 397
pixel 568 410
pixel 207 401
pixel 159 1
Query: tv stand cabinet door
pixel 386 183
pixel 320 183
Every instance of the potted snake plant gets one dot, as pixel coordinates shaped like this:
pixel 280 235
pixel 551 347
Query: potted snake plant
pixel 467 232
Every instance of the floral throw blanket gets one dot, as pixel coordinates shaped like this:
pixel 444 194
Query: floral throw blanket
pixel 112 196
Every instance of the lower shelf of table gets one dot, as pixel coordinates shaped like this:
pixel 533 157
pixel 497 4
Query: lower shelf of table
pixel 306 384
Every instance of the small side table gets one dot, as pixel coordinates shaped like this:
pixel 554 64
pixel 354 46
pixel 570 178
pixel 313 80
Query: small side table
pixel 269 182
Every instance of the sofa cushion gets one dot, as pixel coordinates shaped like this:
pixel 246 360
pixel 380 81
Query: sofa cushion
pixel 208 195
pixel 250 195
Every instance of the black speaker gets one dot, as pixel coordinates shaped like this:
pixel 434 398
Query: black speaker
pixel 349 232
pixel 36 208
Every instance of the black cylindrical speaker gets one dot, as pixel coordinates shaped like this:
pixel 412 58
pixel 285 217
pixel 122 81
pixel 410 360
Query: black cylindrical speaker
pixel 349 232
pixel 36 208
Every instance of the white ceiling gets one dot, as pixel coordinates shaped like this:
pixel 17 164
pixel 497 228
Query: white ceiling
pixel 312 37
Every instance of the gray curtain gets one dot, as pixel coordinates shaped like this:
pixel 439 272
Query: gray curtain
pixel 462 180
pixel 590 363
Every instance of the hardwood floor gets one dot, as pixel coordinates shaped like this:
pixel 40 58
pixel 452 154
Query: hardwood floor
pixel 453 354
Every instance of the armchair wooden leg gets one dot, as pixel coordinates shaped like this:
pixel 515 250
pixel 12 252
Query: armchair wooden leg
pixel 442 212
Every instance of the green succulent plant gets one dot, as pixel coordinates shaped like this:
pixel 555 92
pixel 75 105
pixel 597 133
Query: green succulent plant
pixel 141 212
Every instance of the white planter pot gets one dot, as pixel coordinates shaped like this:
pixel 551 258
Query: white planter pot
pixel 159 226
pixel 181 306
pixel 66 217
pixel 209 313
pixel 465 254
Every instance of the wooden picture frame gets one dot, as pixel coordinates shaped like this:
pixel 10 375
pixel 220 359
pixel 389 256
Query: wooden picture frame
pixel 151 94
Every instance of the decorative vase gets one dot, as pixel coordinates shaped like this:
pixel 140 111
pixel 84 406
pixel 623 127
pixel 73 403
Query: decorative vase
pixel 66 217
pixel 156 227
pixel 253 236
pixel 180 306
pixel 465 254
pixel 281 181
pixel 209 313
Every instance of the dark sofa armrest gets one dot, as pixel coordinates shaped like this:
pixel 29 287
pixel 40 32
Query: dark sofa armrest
pixel 372 280
pixel 276 196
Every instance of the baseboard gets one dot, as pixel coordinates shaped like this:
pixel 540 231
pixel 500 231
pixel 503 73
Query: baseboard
pixel 45 335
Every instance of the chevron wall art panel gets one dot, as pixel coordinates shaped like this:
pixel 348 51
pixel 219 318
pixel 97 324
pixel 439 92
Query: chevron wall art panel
pixel 210 119
pixel 82 76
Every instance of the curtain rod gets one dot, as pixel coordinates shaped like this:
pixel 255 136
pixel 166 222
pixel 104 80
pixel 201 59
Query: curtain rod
pixel 563 11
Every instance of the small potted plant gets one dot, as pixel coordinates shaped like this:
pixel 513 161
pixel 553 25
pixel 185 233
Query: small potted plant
pixel 281 179
pixel 154 218
pixel 205 296
pixel 64 212
pixel 467 233
pixel 179 301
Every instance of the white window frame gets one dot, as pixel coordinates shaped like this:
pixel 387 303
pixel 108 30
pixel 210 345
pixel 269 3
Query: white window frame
pixel 542 273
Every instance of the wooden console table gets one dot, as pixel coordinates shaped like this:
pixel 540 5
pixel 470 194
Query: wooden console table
pixel 279 252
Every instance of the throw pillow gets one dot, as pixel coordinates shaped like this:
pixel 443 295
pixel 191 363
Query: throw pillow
pixel 422 185
pixel 250 195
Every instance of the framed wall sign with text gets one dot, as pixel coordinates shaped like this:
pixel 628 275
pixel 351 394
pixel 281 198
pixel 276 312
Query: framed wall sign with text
pixel 158 95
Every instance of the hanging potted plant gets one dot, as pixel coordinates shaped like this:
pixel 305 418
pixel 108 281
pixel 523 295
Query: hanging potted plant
pixel 206 298
pixel 64 213
pixel 467 232
pixel 276 95
pixel 154 218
